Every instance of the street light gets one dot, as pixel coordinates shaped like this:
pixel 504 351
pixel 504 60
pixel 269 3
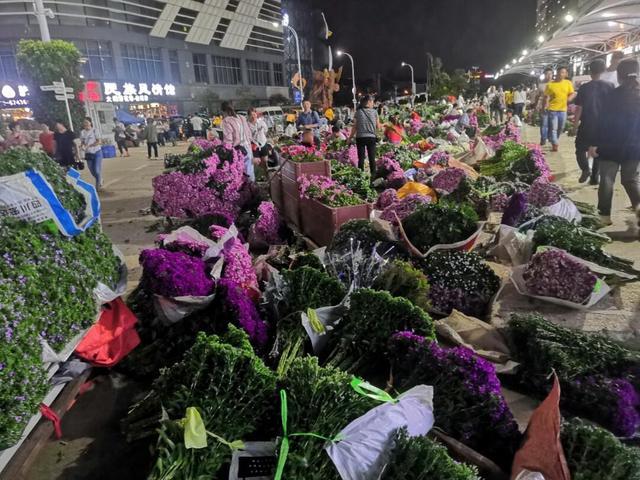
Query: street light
pixel 413 83
pixel 353 76
pixel 540 38
pixel 568 18
pixel 525 51
pixel 285 23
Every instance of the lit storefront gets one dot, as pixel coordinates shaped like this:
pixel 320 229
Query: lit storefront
pixel 14 101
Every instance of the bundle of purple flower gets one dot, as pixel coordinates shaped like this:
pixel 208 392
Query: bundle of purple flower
pixel 386 198
pixel 544 193
pixel 242 311
pixel 552 273
pixel 267 227
pixel 387 165
pixel 499 202
pixel 539 160
pixel 174 274
pixel 404 207
pixel 203 145
pixel 415 125
pixel 190 195
pixel 438 159
pixel 467 399
pixel 348 156
pixel 238 264
pixel 448 180
pixel 184 243
pixel 495 141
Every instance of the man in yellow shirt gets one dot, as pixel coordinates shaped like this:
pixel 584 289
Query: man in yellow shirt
pixel 558 94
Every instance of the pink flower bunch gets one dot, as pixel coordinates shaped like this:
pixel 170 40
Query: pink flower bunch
pixel 268 225
pixel 438 159
pixel 201 144
pixel 192 195
pixel 302 154
pixel 473 120
pixel 387 165
pixel 415 126
pixel 499 202
pixel 184 243
pixel 448 180
pixel 508 133
pixel 539 160
pixel 238 264
pixel 327 191
pixel 404 207
pixel 544 193
pixel 386 198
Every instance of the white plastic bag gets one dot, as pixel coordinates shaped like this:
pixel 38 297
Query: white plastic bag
pixel 566 209
pixel 328 317
pixel 365 444
pixel 513 246
pixel 29 196
pixel 466 245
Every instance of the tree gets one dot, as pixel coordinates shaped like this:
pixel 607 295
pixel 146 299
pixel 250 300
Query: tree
pixel 459 82
pixel 43 63
pixel 210 100
pixel 278 99
pixel 441 82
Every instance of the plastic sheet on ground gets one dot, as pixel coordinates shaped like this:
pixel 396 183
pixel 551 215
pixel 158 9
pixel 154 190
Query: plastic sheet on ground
pixel 566 209
pixel 513 247
pixel 366 443
pixel 29 196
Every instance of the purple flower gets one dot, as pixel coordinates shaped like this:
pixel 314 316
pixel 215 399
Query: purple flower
pixel 238 264
pixel 386 198
pixel 267 227
pixel 404 207
pixel 174 274
pixel 553 273
pixel 544 193
pixel 238 305
pixel 499 202
pixel 448 180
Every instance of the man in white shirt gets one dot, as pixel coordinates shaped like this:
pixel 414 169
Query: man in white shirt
pixel 540 106
pixel 196 124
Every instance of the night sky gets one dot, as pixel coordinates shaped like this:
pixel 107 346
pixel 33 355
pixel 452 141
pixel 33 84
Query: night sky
pixel 380 34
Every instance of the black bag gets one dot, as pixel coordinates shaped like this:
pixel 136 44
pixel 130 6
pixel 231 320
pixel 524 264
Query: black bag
pixel 79 165
pixel 242 150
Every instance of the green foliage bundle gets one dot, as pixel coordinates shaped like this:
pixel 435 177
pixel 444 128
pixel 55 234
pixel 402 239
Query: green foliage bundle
pixel 439 223
pixel 401 279
pixel 592 453
pixel 357 232
pixel 354 179
pixel 42 63
pixel 420 458
pixel 307 287
pixel 362 336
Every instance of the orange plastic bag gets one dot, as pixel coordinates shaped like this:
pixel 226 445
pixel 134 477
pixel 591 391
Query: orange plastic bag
pixel 419 188
pixel 542 450
pixel 112 338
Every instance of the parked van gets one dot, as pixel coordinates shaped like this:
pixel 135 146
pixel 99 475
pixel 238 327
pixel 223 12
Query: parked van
pixel 274 116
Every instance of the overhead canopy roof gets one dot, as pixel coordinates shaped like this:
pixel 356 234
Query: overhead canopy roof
pixel 593 33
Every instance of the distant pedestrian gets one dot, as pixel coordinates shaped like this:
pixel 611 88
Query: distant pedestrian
pixel 308 119
pixel 558 94
pixel 92 150
pixel 236 131
pixel 589 104
pixel 365 130
pixel 196 125
pixel 65 150
pixel 497 105
pixel 46 140
pixel 541 108
pixel 259 131
pixel 150 135
pixel 120 137
pixel 519 100
pixel 17 137
pixel 617 143
pixel 161 131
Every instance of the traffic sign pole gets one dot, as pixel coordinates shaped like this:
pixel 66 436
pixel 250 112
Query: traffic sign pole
pixel 63 94
pixel 66 104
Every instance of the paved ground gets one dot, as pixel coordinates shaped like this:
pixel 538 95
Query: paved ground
pixel 92 447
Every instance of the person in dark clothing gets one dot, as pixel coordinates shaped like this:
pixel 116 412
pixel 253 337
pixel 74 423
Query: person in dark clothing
pixel 65 146
pixel 589 103
pixel 617 142
pixel 365 129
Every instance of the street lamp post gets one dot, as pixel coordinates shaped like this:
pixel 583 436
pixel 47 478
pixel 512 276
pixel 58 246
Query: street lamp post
pixel 413 82
pixel 429 66
pixel 285 23
pixel 41 14
pixel 353 76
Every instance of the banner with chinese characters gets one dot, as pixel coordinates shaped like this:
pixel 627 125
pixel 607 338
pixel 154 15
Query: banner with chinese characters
pixel 116 92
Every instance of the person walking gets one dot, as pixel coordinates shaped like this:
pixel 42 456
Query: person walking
pixel 64 145
pixel 589 104
pixel 236 131
pixel 617 142
pixel 497 105
pixel 365 130
pixel 541 106
pixel 519 100
pixel 46 140
pixel 196 125
pixel 120 137
pixel 558 94
pixel 92 150
pixel 161 131
pixel 150 134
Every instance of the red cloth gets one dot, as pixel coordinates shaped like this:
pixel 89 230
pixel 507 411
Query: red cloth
pixel 46 140
pixel 542 450
pixel 394 134
pixel 49 414
pixel 112 338
pixel 415 116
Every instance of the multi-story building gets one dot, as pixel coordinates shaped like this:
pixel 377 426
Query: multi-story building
pixel 160 56
pixel 551 14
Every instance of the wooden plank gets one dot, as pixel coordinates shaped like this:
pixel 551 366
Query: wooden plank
pixel 26 455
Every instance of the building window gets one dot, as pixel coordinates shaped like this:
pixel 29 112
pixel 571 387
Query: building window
pixel 259 72
pixel 174 65
pixel 99 58
pixel 142 63
pixel 226 70
pixel 200 68
pixel 278 74
pixel 8 66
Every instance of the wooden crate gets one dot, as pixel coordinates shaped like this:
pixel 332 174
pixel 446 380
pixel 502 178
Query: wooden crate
pixel 320 223
pixel 275 190
pixel 293 170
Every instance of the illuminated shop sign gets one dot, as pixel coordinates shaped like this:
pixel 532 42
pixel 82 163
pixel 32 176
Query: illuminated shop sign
pixel 14 95
pixel 136 92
